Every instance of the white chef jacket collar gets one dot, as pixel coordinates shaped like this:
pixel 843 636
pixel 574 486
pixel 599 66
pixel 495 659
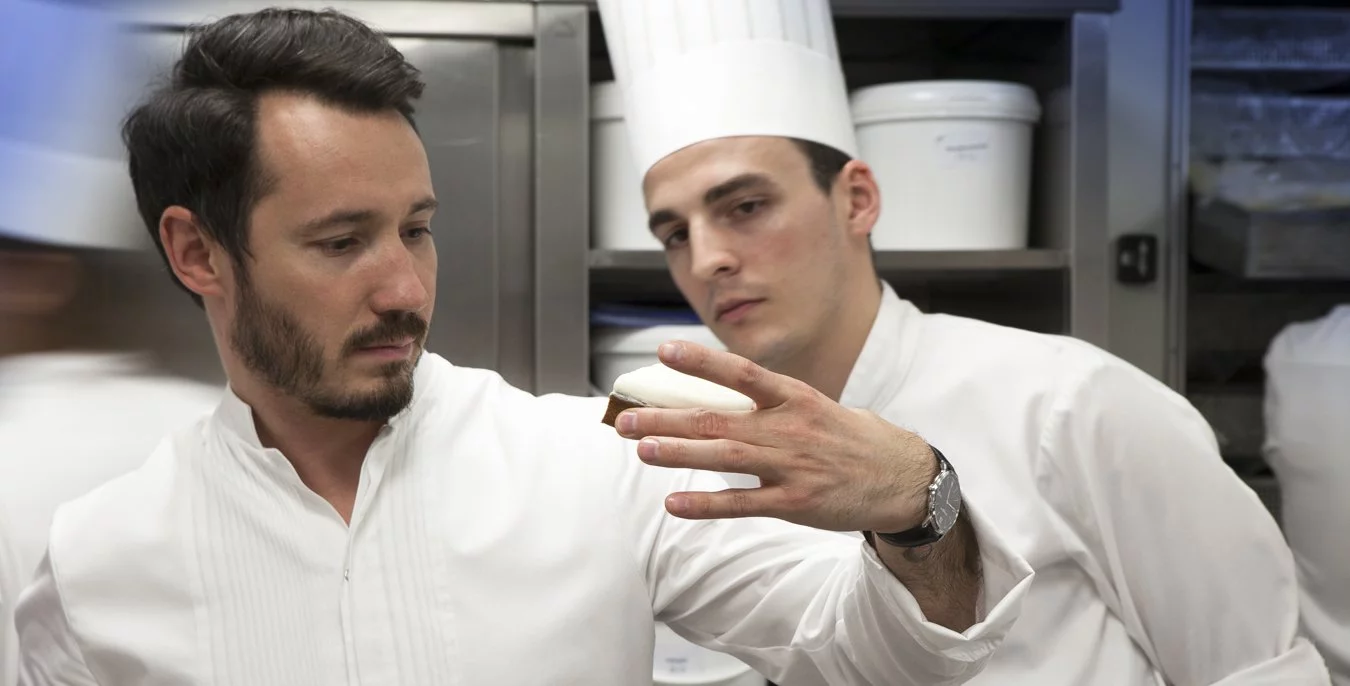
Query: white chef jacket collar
pixel 880 370
pixel 236 416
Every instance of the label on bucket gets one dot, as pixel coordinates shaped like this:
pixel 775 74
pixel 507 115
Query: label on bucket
pixel 964 147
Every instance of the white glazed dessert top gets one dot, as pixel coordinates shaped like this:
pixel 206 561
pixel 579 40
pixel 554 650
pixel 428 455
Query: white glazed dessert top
pixel 660 386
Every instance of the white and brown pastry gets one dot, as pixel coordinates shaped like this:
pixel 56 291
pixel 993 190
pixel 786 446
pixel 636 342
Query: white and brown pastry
pixel 660 386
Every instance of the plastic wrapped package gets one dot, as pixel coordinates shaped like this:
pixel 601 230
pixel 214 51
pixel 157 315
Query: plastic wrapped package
pixel 1227 125
pixel 1282 219
pixel 1275 185
pixel 1281 38
pixel 1307 411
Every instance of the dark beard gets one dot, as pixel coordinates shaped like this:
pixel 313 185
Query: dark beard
pixel 273 345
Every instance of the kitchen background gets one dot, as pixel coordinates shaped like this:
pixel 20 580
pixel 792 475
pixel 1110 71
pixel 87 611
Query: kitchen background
pixel 1169 180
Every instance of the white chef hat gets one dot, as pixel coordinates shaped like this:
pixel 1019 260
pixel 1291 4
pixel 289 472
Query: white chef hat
pixel 697 70
pixel 64 90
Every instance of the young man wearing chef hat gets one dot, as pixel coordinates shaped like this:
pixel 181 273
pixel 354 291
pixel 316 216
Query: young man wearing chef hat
pixel 71 418
pixel 1154 561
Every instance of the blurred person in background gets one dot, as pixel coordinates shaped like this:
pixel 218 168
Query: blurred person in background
pixel 1307 418
pixel 75 410
pixel 11 583
pixel 1154 561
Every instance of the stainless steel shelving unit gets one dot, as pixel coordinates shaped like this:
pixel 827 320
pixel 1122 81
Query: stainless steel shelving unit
pixel 887 261
pixel 1072 266
pixel 1242 276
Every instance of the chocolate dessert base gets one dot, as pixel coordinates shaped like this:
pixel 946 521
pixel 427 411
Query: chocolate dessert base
pixel 617 404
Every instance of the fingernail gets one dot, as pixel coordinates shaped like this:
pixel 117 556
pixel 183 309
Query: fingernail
pixel 670 352
pixel 626 423
pixel 648 448
pixel 677 504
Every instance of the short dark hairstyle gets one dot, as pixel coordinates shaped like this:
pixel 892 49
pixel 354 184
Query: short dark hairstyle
pixel 826 162
pixel 193 141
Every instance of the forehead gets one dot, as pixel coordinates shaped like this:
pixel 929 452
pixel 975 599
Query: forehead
pixel 700 166
pixel 314 153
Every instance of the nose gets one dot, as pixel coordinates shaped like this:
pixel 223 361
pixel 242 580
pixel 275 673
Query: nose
pixel 400 286
pixel 712 253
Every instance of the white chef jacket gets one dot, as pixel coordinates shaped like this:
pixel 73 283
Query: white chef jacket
pixel 1153 560
pixel 497 538
pixel 1307 410
pixel 72 421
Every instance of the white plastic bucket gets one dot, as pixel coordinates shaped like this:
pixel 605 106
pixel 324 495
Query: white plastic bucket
pixel 616 351
pixel 618 212
pixel 953 160
pixel 678 662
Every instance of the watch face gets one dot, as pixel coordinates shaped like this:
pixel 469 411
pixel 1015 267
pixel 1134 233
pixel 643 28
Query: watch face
pixel 946 502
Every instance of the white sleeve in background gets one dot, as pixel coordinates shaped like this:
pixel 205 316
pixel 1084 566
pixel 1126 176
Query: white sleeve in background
pixel 803 606
pixel 1307 412
pixel 50 654
pixel 1195 566
pixel 11 582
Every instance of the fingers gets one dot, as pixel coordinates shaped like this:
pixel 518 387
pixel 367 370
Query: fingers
pixel 730 457
pixel 700 424
pixel 728 504
pixel 737 373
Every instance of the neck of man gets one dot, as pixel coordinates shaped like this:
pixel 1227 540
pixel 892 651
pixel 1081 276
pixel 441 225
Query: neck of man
pixel 828 361
pixel 326 453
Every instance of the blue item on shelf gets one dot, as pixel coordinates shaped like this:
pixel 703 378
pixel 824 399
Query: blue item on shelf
pixel 638 316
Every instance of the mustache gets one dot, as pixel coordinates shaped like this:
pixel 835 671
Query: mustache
pixel 390 328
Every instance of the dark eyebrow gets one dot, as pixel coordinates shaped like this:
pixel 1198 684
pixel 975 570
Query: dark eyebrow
pixel 356 217
pixel 712 195
pixel 424 205
pixel 734 185
pixel 660 217
pixel 338 218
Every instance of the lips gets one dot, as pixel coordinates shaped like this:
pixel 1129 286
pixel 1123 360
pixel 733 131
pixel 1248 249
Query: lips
pixel 398 344
pixel 733 309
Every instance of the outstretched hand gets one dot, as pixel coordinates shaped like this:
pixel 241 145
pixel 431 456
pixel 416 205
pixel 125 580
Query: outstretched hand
pixel 820 464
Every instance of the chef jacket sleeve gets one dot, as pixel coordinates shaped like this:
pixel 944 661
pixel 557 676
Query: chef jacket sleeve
pixel 804 606
pixel 50 654
pixel 1197 567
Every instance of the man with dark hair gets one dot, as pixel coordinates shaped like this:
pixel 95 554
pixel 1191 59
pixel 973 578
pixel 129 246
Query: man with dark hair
pixel 1154 562
pixel 358 510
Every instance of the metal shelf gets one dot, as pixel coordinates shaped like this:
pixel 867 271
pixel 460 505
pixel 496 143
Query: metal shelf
pixel 1270 39
pixel 964 9
pixel 887 261
pixel 960 9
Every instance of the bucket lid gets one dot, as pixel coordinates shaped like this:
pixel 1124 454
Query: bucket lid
pixel 606 101
pixel 645 341
pixel 944 99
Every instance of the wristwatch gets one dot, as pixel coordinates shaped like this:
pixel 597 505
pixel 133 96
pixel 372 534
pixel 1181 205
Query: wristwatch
pixel 944 506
